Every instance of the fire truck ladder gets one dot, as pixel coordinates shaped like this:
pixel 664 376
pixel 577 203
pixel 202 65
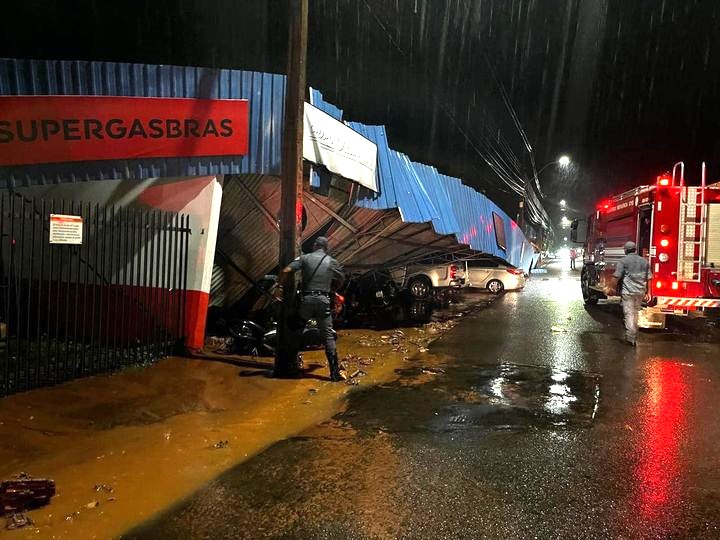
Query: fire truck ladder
pixel 691 231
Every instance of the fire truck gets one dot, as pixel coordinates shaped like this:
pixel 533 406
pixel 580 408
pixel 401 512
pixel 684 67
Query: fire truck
pixel 676 227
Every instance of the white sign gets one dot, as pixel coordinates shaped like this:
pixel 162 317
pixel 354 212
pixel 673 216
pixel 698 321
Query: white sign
pixel 345 152
pixel 66 229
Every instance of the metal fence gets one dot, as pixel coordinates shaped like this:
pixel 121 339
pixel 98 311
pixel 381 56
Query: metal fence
pixel 68 311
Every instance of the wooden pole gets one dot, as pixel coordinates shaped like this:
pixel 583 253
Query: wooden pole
pixel 291 204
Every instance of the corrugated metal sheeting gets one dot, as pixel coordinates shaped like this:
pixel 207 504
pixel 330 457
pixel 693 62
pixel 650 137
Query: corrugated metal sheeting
pixel 265 91
pixel 248 234
pixel 418 210
pixel 422 195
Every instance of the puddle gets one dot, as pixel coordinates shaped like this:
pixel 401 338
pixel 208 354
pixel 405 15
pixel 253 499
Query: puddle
pixel 511 396
pixel 459 397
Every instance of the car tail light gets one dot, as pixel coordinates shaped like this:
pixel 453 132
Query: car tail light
pixel 453 271
pixel 675 285
pixel 515 271
pixel 658 284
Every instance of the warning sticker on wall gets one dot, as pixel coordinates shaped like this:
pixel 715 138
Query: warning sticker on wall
pixel 66 229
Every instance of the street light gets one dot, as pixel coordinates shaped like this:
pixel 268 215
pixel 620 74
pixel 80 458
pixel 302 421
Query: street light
pixel 562 203
pixel 563 161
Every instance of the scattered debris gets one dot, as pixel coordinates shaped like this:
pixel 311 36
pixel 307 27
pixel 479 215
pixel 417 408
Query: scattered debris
pixel 18 521
pixel 92 504
pixel 313 390
pixel 558 329
pixel 103 487
pixel 72 516
pixel 432 370
pixel 219 345
pixel 23 492
pixel 221 444
pixel 423 349
pixel 358 373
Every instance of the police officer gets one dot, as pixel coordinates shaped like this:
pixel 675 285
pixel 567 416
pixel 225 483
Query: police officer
pixel 321 274
pixel 635 274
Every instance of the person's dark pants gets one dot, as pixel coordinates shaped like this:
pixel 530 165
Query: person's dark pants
pixel 318 308
pixel 572 264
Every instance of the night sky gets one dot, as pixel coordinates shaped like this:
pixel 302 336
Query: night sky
pixel 626 87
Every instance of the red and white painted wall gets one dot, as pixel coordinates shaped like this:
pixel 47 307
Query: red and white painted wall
pixel 197 197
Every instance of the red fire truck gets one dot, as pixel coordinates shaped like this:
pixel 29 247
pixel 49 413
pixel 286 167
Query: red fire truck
pixel 676 227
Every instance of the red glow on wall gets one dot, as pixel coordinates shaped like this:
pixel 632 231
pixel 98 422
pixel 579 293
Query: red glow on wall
pixel 298 212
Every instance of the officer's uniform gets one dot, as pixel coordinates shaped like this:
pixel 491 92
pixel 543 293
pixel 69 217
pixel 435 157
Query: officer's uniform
pixel 319 270
pixel 635 273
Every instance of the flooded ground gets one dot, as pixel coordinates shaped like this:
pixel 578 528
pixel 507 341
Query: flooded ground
pixel 504 429
pixel 150 437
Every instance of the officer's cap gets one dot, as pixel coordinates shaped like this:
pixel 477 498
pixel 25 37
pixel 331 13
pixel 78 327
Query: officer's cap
pixel 630 247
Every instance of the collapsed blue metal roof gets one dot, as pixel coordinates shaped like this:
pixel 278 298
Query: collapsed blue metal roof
pixel 422 194
pixel 400 185
pixel 418 191
pixel 265 92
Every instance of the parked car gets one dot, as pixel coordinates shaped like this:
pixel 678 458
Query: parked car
pixel 493 275
pixel 423 281
pixel 368 294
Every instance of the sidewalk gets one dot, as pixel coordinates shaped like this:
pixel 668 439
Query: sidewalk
pixel 154 435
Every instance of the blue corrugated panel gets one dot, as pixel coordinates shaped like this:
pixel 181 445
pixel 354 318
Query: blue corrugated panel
pixel 317 100
pixel 385 198
pixel 399 184
pixel 265 92
pixel 435 185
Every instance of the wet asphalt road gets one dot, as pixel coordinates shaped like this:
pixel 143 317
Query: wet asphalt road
pixel 526 434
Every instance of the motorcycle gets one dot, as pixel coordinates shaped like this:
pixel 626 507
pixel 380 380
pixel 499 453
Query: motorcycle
pixel 367 294
pixel 257 335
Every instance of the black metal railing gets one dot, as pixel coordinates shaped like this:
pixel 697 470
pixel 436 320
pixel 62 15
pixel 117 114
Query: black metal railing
pixel 114 300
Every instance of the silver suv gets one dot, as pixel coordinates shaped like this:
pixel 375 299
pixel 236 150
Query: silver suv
pixel 423 280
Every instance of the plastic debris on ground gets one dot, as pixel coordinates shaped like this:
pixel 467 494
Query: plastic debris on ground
pixel 18 521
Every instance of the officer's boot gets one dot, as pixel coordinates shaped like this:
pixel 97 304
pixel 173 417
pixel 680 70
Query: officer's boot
pixel 334 365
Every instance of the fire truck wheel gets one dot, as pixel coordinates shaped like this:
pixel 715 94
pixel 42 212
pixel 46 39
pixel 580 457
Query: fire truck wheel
pixel 495 286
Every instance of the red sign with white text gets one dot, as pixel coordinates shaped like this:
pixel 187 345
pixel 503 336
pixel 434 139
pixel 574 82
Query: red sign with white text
pixel 56 129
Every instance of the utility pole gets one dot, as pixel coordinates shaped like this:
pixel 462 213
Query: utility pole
pixel 291 203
